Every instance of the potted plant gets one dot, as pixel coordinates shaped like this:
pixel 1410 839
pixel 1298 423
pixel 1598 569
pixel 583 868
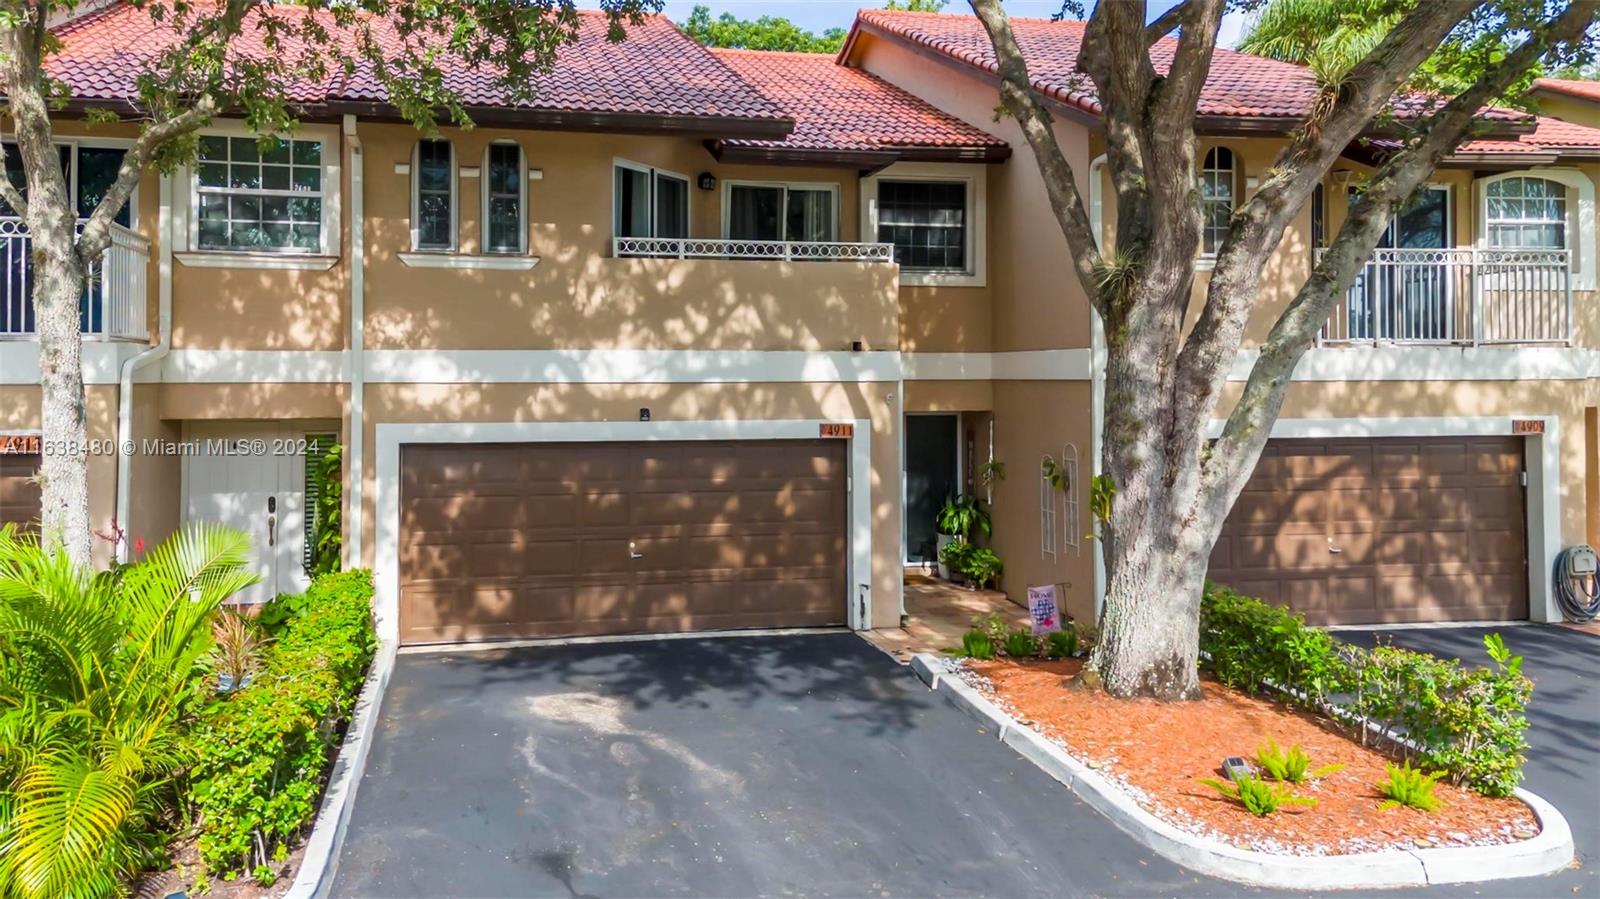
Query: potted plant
pixel 954 558
pixel 960 518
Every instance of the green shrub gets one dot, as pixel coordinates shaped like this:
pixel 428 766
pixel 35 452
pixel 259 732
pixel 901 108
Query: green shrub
pixel 1410 787
pixel 963 516
pixel 1061 644
pixel 994 625
pixel 263 751
pixel 1258 797
pixel 1290 765
pixel 975 644
pixel 1468 722
pixel 983 567
pixel 327 538
pixel 1022 644
pixel 99 674
pixel 956 555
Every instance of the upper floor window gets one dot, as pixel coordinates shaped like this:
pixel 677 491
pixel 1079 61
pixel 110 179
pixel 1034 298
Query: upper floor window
pixel 793 212
pixel 90 173
pixel 433 196
pixel 1319 217
pixel 504 199
pixel 1526 213
pixel 260 195
pixel 648 202
pixel 1216 198
pixel 927 223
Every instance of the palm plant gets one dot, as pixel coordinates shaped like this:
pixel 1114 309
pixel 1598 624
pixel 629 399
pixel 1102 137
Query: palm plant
pixel 98 672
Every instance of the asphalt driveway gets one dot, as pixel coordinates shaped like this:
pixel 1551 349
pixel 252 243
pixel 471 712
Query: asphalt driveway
pixel 745 766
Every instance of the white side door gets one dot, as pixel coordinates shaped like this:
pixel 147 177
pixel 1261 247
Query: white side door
pixel 238 475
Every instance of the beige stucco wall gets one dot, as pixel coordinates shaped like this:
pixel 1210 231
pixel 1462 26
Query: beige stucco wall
pixel 1034 298
pixel 1033 419
pixel 1570 109
pixel 392 403
pixel 20 412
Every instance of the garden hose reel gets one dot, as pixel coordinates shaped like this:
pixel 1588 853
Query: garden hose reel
pixel 1577 585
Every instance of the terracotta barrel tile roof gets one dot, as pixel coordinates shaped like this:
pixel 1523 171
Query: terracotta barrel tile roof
pixel 1583 90
pixel 1549 135
pixel 837 108
pixel 1240 85
pixel 656 71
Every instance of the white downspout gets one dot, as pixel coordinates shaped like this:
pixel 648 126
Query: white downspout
pixel 132 364
pixel 354 463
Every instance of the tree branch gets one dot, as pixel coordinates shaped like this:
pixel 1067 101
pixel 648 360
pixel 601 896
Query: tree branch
pixel 96 235
pixel 9 191
pixel 1016 92
pixel 1164 23
pixel 1248 425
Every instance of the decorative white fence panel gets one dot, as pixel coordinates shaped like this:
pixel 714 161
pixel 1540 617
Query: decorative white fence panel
pixel 1453 296
pixel 697 248
pixel 113 301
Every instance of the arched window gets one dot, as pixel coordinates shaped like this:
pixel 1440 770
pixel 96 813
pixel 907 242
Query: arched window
pixel 1216 198
pixel 505 199
pixel 1526 213
pixel 433 196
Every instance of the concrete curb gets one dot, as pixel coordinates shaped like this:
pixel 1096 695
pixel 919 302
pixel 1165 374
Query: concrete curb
pixel 333 818
pixel 1550 851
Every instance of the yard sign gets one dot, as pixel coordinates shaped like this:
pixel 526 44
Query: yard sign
pixel 1042 609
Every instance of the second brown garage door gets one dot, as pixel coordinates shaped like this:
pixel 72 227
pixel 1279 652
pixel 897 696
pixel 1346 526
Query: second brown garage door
pixel 533 540
pixel 1376 531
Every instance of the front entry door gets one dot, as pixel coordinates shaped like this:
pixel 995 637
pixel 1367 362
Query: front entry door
pixel 249 477
pixel 932 461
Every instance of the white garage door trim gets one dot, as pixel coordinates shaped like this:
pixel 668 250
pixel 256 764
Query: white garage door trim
pixel 1543 454
pixel 386 499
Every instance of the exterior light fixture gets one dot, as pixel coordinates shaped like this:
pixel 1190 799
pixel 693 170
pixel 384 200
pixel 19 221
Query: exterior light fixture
pixel 707 181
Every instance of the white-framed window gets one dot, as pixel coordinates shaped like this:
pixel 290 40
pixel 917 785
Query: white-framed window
pixel 934 214
pixel 1535 208
pixel 433 195
pixel 1218 174
pixel 259 196
pixel 648 202
pixel 763 210
pixel 505 198
pixel 1526 213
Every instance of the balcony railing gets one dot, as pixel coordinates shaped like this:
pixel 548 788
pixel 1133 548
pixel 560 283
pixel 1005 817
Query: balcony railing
pixel 1463 297
pixel 697 248
pixel 113 303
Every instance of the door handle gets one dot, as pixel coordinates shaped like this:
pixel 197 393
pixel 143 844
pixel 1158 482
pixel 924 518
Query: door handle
pixel 1334 549
pixel 272 530
pixel 632 554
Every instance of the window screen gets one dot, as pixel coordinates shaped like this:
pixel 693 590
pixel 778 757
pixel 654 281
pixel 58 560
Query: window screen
pixel 926 221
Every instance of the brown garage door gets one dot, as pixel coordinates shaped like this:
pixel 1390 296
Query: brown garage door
pixel 1392 530
pixel 19 492
pixel 533 540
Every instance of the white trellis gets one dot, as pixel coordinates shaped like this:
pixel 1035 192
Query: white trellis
pixel 1071 532
pixel 1047 509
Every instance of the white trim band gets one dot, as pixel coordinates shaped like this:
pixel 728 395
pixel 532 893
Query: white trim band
pixel 627 366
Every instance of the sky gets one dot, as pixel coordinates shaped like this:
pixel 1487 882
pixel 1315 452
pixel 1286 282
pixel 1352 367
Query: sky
pixel 820 15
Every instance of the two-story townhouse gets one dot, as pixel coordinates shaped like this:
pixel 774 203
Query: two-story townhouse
pixel 702 339
pixel 1438 447
pixel 623 359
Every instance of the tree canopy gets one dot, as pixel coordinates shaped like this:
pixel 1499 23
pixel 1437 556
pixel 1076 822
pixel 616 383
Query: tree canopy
pixel 777 32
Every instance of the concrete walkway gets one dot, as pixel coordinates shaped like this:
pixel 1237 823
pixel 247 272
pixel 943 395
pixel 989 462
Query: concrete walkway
pixel 938 613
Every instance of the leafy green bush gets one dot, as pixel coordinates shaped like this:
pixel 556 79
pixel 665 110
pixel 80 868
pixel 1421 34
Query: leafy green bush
pixel 956 555
pixel 1410 787
pixel 327 546
pixel 1290 765
pixel 1022 644
pixel 975 644
pixel 277 613
pixel 962 516
pixel 263 751
pixel 1258 797
pixel 1061 644
pixel 983 567
pixel 99 674
pixel 1468 722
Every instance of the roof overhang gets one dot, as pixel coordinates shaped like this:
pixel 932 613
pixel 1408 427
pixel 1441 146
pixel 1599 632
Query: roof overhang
pixel 1208 125
pixel 741 154
pixel 522 117
pixel 1540 91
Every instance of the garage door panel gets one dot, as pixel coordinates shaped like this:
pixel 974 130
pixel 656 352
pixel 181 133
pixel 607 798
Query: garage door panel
pixel 514 540
pixel 1430 529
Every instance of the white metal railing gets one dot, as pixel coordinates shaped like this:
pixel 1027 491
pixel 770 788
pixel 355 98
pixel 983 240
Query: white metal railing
pixel 699 248
pixel 113 302
pixel 1456 296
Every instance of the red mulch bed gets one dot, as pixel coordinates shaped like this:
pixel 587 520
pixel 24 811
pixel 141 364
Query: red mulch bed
pixel 1164 749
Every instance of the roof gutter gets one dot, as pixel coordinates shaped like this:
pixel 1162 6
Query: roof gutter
pixel 737 154
pixel 154 353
